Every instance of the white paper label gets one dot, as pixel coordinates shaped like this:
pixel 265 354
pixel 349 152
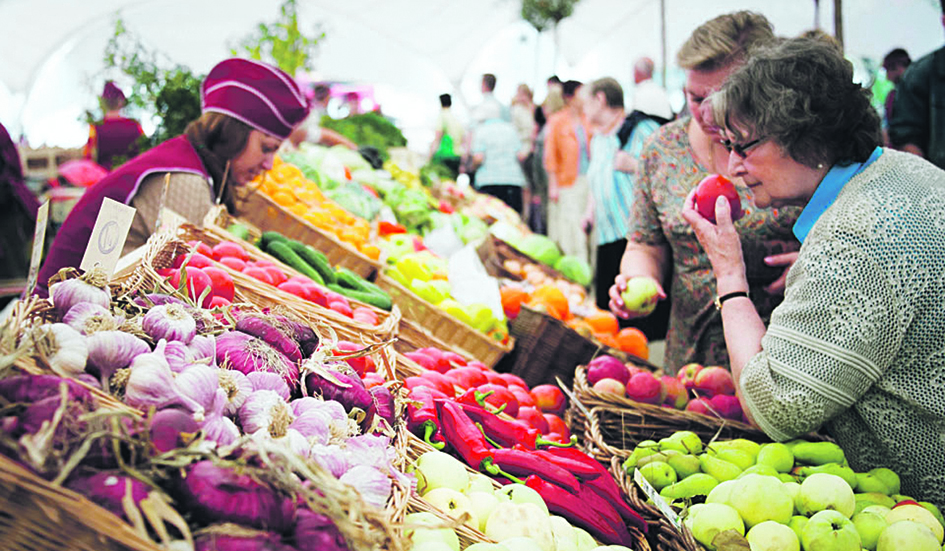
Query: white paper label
pixel 39 238
pixel 654 496
pixel 108 237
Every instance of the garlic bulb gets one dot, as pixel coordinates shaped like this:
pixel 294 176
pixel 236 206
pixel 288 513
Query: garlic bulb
pixel 313 425
pixel 178 356
pixel 70 292
pixel 218 428
pixel 200 383
pixel 332 458
pixel 63 348
pixel 110 351
pixel 237 388
pixel 87 318
pixel 170 322
pixel 266 380
pixel 203 347
pixel 266 410
pixel 151 384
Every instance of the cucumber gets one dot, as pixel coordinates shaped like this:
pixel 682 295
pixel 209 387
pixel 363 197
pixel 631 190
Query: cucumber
pixel 269 237
pixel 349 279
pixel 284 253
pixel 381 301
pixel 315 258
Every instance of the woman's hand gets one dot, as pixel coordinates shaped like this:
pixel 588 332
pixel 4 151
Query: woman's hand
pixel 616 301
pixel 720 242
pixel 784 259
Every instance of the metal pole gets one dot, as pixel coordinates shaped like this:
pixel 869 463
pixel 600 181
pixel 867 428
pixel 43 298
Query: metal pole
pixel 816 14
pixel 663 40
pixel 838 21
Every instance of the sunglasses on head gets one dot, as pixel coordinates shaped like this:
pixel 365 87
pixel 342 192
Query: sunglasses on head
pixel 741 149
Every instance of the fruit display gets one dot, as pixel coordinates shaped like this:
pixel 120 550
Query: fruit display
pixel 524 254
pixel 230 414
pixel 797 495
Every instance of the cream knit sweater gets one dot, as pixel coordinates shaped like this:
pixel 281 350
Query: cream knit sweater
pixel 858 345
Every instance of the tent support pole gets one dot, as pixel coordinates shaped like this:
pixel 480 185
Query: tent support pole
pixel 663 40
pixel 838 21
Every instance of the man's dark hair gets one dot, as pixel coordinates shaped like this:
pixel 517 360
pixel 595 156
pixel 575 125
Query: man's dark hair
pixel 489 80
pixel 569 88
pixel 613 92
pixel 553 79
pixel 445 100
pixel 897 58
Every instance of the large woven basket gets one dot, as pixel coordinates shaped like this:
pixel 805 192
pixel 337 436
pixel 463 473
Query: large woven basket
pixel 267 215
pixel 494 253
pixel 614 425
pixel 442 326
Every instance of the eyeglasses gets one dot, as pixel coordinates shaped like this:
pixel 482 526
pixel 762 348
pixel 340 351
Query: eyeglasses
pixel 741 149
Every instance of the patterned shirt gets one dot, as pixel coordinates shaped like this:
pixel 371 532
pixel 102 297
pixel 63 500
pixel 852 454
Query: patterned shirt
pixel 498 142
pixel 667 175
pixel 612 189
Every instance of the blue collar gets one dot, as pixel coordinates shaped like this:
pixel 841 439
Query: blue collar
pixel 827 192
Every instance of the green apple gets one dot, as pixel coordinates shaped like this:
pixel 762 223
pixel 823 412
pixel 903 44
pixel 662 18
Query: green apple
pixel 907 534
pixel 480 483
pixel 776 455
pixel 521 543
pixel 482 505
pixel 934 510
pixel 454 504
pixel 431 546
pixel 585 541
pixel 772 536
pixel 759 498
pixel 797 523
pixel 722 493
pixel 830 530
pixel 873 498
pixel 511 520
pixel 708 520
pixel 520 493
pixel 436 532
pixel 869 525
pixel 564 535
pixel 658 474
pixel 765 470
pixel 822 492
pixel 482 546
pixel 683 441
pixel 792 489
pixel 918 514
pixel 440 470
pixel 640 296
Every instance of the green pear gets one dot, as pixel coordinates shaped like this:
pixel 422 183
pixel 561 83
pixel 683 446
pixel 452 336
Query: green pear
pixel 658 474
pixel 882 481
pixel 846 473
pixel 661 456
pixel 684 465
pixel 699 484
pixel 739 458
pixel 719 469
pixel 643 449
pixel 797 524
pixel 869 525
pixel 765 470
pixel 777 456
pixel 863 501
pixel 747 446
pixel 818 453
pixel 785 477
pixel 683 441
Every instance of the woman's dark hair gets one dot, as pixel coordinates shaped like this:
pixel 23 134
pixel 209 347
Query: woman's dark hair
pixel 218 140
pixel 446 100
pixel 801 95
pixel 569 88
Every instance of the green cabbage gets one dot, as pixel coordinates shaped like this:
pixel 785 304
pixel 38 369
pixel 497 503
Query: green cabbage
pixel 574 269
pixel 541 248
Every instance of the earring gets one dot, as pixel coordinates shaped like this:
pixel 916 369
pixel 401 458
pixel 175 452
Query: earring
pixel 820 166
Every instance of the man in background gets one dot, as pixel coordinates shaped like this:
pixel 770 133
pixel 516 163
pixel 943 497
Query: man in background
pixel 447 146
pixel 895 63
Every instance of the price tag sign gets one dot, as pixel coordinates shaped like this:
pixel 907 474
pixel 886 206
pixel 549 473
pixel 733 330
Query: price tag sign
pixel 108 237
pixel 654 496
pixel 39 239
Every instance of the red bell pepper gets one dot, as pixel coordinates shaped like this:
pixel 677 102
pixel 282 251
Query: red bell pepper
pixel 602 523
pixel 526 462
pixel 422 420
pixel 507 433
pixel 389 228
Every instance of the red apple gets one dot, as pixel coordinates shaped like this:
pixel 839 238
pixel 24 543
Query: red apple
pixel 514 380
pixel 501 396
pixel 714 380
pixel 727 406
pixel 549 399
pixel 532 416
pixel 676 395
pixel 609 386
pixel 699 405
pixel 494 378
pixel 222 283
pixel 646 388
pixel 557 425
pixel 687 373
pixel 607 367
pixel 522 395
pixel 466 377
pixel 709 189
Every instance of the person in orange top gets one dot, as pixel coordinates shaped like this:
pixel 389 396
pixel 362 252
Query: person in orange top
pixel 566 159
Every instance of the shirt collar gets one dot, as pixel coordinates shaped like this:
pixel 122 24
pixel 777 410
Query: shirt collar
pixel 827 192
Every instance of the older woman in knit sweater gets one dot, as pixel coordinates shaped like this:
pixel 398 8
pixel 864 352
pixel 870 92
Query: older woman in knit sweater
pixel 858 345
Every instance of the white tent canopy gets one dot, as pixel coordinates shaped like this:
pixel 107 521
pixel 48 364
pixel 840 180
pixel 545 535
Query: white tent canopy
pixel 409 50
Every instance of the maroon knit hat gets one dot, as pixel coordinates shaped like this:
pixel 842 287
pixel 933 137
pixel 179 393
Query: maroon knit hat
pixel 262 96
pixel 113 93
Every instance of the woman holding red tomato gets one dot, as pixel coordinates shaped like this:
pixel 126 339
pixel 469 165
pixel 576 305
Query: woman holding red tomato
pixel 249 109
pixel 857 345
pixel 660 244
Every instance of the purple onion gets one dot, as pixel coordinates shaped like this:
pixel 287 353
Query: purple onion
pixel 107 490
pixel 352 395
pixel 248 354
pixel 31 388
pixel 262 541
pixel 383 403
pixel 315 532
pixel 167 427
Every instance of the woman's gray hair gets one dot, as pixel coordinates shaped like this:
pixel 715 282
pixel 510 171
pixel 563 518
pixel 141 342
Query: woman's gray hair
pixel 800 94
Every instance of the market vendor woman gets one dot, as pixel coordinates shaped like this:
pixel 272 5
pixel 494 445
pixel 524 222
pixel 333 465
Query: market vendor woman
pixel 858 345
pixel 249 109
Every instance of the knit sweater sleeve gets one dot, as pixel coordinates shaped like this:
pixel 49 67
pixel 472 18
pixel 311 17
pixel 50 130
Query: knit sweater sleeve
pixel 829 341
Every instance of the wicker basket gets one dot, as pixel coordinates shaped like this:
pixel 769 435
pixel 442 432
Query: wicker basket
pixel 264 213
pixel 617 424
pixel 410 337
pixel 443 327
pixel 494 252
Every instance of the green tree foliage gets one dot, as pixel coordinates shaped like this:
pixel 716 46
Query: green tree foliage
pixel 543 14
pixel 281 42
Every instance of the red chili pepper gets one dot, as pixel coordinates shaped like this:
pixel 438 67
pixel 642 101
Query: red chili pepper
pixel 389 228
pixel 507 433
pixel 423 420
pixel 462 433
pixel 580 469
pixel 525 463
pixel 605 526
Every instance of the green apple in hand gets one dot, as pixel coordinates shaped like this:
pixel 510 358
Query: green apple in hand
pixel 640 296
